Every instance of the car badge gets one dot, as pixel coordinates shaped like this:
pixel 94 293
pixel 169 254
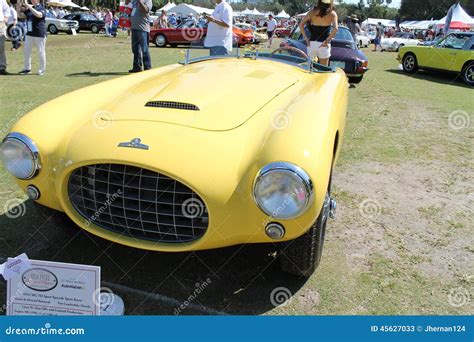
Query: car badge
pixel 135 143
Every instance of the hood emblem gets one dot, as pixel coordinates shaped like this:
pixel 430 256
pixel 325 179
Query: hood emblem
pixel 134 143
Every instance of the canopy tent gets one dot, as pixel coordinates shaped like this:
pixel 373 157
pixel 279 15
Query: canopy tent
pixel 283 15
pixel 167 7
pixel 84 8
pixel 60 3
pixel 418 25
pixel 246 11
pixel 185 10
pixel 459 21
pixel 374 21
pixel 257 13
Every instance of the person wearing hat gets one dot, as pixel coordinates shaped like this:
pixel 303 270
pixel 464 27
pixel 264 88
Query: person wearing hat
pixel 322 24
pixel 354 27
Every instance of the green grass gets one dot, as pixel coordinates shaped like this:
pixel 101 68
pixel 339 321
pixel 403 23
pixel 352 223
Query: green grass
pixel 393 118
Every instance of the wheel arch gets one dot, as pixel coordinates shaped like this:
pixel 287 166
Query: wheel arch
pixel 466 64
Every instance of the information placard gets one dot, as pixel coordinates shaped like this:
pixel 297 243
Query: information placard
pixel 53 288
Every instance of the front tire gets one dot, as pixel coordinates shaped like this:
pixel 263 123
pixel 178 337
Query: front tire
pixel 95 29
pixel 410 63
pixel 301 257
pixel 52 29
pixel 355 80
pixel 160 41
pixel 468 74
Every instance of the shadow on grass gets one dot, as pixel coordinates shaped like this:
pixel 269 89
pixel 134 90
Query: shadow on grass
pixel 241 278
pixel 432 76
pixel 97 74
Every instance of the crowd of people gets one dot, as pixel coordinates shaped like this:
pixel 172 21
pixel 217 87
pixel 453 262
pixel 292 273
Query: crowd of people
pixel 319 26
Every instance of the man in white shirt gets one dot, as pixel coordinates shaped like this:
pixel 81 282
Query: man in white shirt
pixel 271 27
pixel 4 14
pixel 219 31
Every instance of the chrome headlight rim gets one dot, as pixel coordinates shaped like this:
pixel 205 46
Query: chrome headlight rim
pixel 31 146
pixel 290 168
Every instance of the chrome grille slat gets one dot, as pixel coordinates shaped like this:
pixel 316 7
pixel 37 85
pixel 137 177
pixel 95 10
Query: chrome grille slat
pixel 136 202
pixel 172 105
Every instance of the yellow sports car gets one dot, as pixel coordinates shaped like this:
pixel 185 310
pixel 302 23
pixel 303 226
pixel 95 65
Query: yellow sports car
pixel 171 160
pixel 454 54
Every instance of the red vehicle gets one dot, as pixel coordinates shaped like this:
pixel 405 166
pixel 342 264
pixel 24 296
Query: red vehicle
pixel 283 32
pixel 189 33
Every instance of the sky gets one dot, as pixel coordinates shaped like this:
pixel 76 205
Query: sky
pixel 395 3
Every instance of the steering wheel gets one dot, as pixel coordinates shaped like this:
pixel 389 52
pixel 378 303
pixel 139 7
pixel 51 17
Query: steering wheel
pixel 290 48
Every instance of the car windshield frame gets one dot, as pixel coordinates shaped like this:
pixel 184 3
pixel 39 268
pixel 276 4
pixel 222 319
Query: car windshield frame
pixel 255 54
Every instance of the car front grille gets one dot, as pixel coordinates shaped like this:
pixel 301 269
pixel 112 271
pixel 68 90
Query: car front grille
pixel 137 203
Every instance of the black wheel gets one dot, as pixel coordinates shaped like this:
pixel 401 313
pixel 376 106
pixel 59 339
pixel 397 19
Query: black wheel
pixel 95 29
pixel 160 40
pixel 301 257
pixel 468 74
pixel 410 63
pixel 52 29
pixel 360 44
pixel 355 80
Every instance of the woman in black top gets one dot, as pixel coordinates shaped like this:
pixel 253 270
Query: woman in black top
pixel 322 24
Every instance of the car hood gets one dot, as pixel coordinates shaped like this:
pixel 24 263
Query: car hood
pixel 214 96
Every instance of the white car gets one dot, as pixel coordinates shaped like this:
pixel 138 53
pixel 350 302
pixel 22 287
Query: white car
pixel 401 39
pixel 55 25
pixel 362 39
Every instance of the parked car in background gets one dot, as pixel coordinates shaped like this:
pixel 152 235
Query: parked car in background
pixel 453 54
pixel 188 32
pixel 185 33
pixel 259 35
pixel 283 32
pixel 344 53
pixel 55 25
pixel 362 39
pixel 87 22
pixel 401 39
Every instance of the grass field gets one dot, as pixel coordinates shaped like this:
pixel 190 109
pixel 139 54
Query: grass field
pixel 402 241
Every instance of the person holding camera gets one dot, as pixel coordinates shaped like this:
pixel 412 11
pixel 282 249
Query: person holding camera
pixel 35 35
pixel 4 13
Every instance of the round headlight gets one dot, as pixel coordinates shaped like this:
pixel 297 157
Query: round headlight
pixel 283 190
pixel 20 156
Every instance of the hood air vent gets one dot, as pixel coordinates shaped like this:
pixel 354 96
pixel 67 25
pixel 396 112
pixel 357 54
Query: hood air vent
pixel 172 105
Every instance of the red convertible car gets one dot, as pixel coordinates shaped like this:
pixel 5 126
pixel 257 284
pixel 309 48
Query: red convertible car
pixel 189 33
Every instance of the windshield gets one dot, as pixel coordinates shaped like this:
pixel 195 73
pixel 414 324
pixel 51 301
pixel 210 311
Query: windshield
pixel 454 41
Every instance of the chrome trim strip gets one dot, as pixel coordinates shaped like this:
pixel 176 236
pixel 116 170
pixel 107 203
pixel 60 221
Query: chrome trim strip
pixel 33 149
pixel 291 168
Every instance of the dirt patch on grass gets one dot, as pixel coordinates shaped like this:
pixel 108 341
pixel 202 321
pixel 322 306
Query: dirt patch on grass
pixel 417 214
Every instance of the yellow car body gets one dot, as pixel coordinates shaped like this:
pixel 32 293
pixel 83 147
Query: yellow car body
pixel 286 114
pixel 454 54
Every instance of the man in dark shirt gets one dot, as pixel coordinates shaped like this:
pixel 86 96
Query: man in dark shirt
pixel 35 35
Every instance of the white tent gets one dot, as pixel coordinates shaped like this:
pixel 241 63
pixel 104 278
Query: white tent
pixel 256 12
pixel 60 3
pixel 385 22
pixel 185 10
pixel 283 14
pixel 247 12
pixel 459 20
pixel 167 7
pixel 84 8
